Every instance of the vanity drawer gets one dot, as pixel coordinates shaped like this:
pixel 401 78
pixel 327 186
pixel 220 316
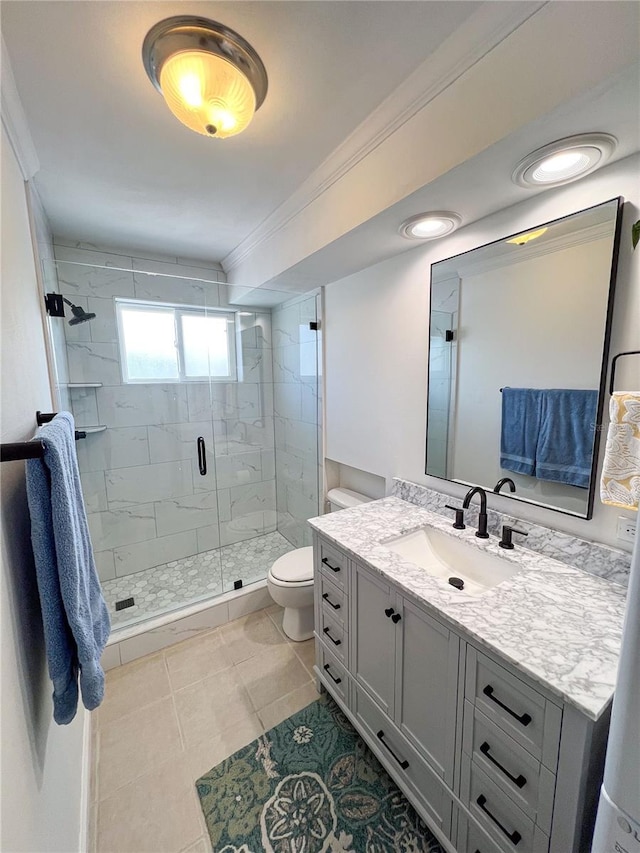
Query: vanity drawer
pixel 521 776
pixel 472 839
pixel 512 830
pixel 334 636
pixel 333 673
pixel 519 710
pixel 333 599
pixel 411 769
pixel 334 563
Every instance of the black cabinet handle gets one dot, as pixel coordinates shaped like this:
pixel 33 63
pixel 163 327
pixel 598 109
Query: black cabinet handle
pixel 335 642
pixel 524 719
pixel 403 763
pixel 332 677
pixel 396 618
pixel 514 837
pixel 325 595
pixel 388 611
pixel 520 780
pixel 202 456
pixel 328 564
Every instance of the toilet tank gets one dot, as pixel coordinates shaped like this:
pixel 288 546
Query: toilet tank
pixel 345 498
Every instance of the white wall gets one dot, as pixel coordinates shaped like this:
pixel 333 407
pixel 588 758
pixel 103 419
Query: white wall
pixel 376 344
pixel 42 763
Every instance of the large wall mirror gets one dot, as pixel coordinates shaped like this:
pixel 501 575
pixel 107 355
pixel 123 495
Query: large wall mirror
pixel 518 346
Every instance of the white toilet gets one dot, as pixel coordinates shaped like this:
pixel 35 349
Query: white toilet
pixel 290 578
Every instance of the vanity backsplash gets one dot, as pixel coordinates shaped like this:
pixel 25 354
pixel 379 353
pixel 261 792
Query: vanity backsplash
pixel 592 557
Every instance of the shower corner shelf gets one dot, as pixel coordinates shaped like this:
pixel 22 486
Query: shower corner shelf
pixel 92 429
pixel 84 384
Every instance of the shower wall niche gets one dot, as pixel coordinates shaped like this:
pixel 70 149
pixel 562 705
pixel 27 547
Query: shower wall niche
pixel 179 467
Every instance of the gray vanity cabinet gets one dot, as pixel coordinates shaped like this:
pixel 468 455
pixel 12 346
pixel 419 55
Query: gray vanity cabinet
pixel 490 760
pixel 373 634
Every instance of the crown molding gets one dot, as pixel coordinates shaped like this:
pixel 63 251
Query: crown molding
pixel 478 36
pixel 14 121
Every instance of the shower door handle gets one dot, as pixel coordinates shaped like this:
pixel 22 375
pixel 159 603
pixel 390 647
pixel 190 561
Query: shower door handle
pixel 202 456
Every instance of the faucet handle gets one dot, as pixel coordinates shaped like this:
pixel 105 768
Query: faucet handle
pixel 459 511
pixel 507 533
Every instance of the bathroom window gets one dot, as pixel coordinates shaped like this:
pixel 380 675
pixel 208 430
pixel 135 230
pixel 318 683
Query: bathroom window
pixel 174 343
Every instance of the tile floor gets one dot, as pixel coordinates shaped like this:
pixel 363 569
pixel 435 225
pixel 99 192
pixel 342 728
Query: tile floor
pixel 190 579
pixel 169 717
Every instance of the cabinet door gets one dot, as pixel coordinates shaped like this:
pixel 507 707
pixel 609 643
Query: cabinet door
pixel 374 637
pixel 426 687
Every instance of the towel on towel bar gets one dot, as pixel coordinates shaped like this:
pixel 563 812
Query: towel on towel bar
pixel 620 484
pixel 519 433
pixel 565 442
pixel 75 617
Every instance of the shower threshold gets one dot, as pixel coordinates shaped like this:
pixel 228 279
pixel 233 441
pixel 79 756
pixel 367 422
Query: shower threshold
pixel 173 585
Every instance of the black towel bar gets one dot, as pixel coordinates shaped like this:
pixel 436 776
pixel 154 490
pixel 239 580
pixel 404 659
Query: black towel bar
pixel 613 365
pixel 14 451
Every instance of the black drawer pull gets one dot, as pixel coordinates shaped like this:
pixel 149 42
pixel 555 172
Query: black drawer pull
pixel 328 564
pixel 335 642
pixel 520 780
pixel 403 763
pixel 514 837
pixel 325 595
pixel 332 677
pixel 396 618
pixel 525 719
pixel 388 611
pixel 202 456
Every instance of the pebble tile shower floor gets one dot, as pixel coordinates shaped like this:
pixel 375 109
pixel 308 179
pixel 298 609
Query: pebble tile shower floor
pixel 171 585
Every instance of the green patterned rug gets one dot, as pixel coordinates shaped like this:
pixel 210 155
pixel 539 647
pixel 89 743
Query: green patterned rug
pixel 309 785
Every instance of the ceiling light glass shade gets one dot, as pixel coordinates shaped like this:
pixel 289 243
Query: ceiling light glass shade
pixel 522 239
pixel 430 226
pixel 565 160
pixel 211 78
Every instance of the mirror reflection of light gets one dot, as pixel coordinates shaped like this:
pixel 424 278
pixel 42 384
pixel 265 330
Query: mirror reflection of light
pixel 522 239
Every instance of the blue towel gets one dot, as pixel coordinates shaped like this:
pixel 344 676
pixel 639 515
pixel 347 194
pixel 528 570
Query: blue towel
pixel 521 409
pixel 565 444
pixel 75 616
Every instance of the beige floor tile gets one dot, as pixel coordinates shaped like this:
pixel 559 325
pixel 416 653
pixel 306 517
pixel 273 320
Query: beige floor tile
pixel 306 651
pixel 250 636
pixel 133 745
pixel 211 706
pixel 202 845
pixel 276 613
pixel 202 758
pixel 285 706
pixel 158 813
pixel 133 685
pixel 272 674
pixel 196 659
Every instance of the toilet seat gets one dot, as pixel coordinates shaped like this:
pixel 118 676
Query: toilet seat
pixel 294 568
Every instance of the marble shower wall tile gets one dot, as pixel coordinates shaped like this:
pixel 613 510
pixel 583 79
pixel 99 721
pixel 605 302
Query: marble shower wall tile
pixel 592 557
pixel 170 442
pixel 113 448
pixel 116 527
pixel 144 555
pixel 148 483
pixel 142 405
pixel 93 362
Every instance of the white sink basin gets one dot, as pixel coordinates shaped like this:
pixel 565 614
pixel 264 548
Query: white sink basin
pixel 446 556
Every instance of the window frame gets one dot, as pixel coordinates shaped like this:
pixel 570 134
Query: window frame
pixel 178 311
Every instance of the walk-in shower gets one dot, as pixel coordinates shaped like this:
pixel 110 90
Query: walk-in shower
pixel 201 404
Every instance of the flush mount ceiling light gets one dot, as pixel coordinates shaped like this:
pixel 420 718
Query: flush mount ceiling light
pixel 526 237
pixel 211 78
pixel 430 226
pixel 565 160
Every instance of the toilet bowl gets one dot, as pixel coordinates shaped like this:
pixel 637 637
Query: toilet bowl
pixel 290 578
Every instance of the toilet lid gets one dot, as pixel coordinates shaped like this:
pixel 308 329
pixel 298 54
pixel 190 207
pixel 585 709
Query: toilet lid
pixel 294 567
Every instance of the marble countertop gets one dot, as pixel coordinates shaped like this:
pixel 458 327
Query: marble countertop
pixel 559 625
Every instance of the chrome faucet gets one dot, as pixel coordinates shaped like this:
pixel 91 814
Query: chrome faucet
pixel 503 482
pixel 481 532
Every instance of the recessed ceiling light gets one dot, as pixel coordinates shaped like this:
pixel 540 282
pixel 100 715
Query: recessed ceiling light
pixel 522 239
pixel 430 226
pixel 565 160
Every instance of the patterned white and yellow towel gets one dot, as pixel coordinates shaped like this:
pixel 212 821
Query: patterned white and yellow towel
pixel 620 484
